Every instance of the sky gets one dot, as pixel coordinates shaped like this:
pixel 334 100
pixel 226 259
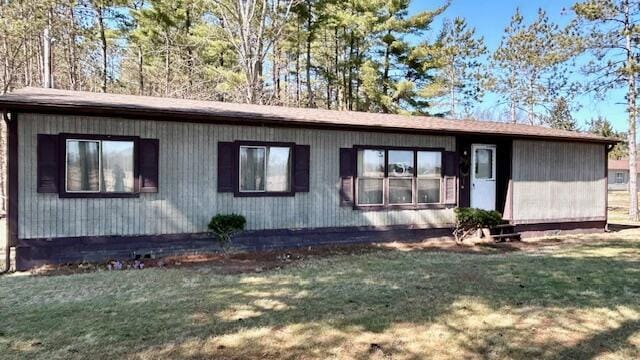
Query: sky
pixel 490 17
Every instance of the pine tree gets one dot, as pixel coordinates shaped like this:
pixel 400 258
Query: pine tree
pixel 461 56
pixel 612 35
pixel 560 116
pixel 531 65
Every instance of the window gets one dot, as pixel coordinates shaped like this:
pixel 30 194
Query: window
pixel 265 169
pixel 398 177
pixel 484 164
pixel 429 173
pixel 619 178
pixel 99 166
pixel 371 177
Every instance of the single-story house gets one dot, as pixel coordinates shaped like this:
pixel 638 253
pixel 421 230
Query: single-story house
pixel 97 176
pixel 619 175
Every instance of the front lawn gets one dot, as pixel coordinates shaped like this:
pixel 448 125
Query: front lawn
pixel 576 299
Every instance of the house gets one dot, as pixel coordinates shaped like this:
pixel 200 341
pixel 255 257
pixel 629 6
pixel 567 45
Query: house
pixel 97 176
pixel 619 175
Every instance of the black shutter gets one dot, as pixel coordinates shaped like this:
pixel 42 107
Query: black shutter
pixel 302 157
pixel 347 174
pixel 227 169
pixel 149 165
pixel 450 163
pixel 48 164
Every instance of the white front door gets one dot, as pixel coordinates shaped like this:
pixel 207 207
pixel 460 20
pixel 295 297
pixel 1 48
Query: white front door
pixel 483 176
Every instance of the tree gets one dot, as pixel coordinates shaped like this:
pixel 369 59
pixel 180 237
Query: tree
pixel 403 79
pixel 461 71
pixel 602 126
pixel 560 116
pixel 531 65
pixel 611 34
pixel 252 26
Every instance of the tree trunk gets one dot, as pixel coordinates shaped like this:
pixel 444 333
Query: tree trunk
pixel 309 90
pixel 633 111
pixel 167 65
pixel 73 61
pixel 298 68
pixel 140 71
pixel 337 70
pixel 190 59
pixel 103 42
pixel 46 55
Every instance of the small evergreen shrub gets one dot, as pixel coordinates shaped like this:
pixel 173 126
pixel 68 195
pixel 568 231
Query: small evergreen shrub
pixel 469 220
pixel 225 226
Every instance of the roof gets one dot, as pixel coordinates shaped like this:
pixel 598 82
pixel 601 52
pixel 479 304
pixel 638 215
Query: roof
pixel 89 103
pixel 622 164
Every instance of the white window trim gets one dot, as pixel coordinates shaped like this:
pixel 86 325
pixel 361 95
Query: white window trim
pixel 618 180
pixel 430 177
pixel 383 178
pixel 66 167
pixel 414 180
pixel 264 166
pixel 100 170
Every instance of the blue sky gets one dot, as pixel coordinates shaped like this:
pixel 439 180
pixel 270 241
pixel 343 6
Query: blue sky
pixel 490 17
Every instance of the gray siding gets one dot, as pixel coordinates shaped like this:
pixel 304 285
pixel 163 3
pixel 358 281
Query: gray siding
pixel 187 198
pixel 555 180
pixel 622 186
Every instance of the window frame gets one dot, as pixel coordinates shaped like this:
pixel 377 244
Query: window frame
pixel 385 187
pixel 623 177
pixel 64 139
pixel 265 145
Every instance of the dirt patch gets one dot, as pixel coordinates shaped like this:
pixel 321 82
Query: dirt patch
pixel 252 262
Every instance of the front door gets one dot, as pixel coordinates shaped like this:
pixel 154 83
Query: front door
pixel 483 176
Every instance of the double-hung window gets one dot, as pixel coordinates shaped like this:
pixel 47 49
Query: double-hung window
pixel 265 169
pixel 95 166
pixel 398 177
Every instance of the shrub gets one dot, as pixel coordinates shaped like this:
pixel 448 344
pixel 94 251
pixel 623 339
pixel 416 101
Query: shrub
pixel 469 220
pixel 224 226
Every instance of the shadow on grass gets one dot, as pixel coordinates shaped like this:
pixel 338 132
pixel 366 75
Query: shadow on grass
pixel 397 301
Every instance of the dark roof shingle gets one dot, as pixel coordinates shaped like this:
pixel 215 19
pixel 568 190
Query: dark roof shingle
pixel 79 102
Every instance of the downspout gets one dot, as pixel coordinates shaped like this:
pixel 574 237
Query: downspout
pixel 607 149
pixel 7 243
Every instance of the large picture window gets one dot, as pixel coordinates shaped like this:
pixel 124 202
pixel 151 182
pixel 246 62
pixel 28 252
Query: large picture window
pixel 398 177
pixel 99 166
pixel 265 169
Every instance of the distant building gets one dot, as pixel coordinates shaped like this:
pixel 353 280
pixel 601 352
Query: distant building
pixel 619 175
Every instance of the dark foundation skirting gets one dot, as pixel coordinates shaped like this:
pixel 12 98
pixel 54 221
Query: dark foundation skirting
pixel 35 252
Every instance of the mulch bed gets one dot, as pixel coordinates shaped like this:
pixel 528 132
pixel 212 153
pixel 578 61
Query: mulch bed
pixel 255 262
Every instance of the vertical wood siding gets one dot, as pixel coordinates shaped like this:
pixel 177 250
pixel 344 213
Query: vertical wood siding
pixel 187 196
pixel 557 180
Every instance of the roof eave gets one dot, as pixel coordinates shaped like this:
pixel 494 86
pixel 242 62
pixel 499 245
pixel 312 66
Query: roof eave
pixel 249 119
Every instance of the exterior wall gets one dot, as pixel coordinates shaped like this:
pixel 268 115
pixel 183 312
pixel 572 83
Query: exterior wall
pixel 556 181
pixel 188 198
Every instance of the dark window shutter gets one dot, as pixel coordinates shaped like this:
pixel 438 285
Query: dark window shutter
pixel 149 165
pixel 347 162
pixel 450 163
pixel 48 164
pixel 302 157
pixel 347 174
pixel 227 169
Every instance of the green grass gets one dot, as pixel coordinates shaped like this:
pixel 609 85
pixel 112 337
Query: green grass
pixel 576 299
pixel 619 207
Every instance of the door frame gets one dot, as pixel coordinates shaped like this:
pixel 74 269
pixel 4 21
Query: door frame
pixel 494 172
